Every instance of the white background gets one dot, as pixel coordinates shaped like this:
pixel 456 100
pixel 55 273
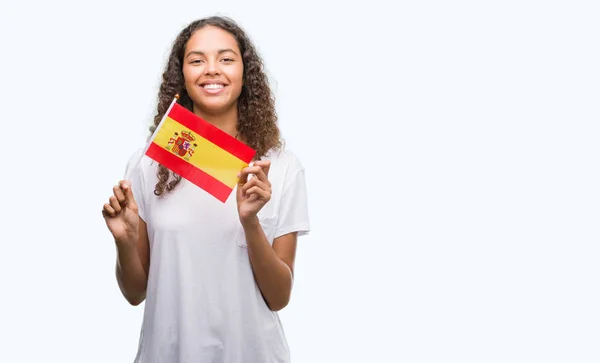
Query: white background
pixel 452 158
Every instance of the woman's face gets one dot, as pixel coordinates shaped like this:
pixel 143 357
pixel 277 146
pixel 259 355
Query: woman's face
pixel 213 70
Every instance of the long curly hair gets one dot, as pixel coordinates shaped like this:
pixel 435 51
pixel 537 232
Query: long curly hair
pixel 257 118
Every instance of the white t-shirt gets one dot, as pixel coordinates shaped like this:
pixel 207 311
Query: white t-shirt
pixel 203 304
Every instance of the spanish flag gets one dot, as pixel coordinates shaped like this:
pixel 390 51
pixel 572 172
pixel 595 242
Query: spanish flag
pixel 199 151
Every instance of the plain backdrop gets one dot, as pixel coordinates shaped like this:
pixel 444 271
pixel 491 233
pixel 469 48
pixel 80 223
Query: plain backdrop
pixel 451 151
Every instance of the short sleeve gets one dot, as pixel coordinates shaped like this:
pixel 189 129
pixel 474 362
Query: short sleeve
pixel 293 207
pixel 134 174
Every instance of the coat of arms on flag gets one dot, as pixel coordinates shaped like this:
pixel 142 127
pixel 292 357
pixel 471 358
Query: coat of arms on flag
pixel 182 144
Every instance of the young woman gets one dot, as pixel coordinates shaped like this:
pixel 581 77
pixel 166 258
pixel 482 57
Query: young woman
pixel 213 275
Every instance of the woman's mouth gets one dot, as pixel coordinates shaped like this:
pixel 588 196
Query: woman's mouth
pixel 213 88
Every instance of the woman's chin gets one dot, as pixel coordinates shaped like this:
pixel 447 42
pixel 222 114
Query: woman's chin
pixel 213 108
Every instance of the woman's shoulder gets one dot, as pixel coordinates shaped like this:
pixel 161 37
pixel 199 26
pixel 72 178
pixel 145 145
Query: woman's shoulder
pixel 284 159
pixel 139 163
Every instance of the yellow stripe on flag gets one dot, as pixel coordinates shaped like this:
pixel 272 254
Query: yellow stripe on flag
pixel 207 156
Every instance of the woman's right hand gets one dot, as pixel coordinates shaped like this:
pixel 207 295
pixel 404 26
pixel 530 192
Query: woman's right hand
pixel 121 214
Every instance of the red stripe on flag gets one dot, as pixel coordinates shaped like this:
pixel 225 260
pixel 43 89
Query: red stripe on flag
pixel 189 172
pixel 211 133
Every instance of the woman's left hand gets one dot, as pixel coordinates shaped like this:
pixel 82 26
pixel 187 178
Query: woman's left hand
pixel 253 194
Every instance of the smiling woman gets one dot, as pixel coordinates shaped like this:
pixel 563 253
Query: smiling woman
pixel 213 275
pixel 213 71
pixel 224 44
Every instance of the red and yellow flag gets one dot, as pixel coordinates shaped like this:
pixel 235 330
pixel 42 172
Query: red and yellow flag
pixel 199 151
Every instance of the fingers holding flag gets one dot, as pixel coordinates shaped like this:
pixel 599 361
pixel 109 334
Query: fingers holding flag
pixel 254 188
pixel 259 169
pixel 264 166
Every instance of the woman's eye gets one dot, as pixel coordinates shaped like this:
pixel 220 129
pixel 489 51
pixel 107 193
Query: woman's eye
pixel 196 61
pixel 228 59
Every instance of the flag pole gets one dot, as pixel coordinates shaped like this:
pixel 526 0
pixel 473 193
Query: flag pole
pixel 160 123
pixel 154 134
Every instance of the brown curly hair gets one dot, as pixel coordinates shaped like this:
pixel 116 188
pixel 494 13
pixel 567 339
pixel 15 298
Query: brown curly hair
pixel 257 119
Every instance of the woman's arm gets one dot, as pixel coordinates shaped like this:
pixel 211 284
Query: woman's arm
pixel 273 267
pixel 121 214
pixel 133 262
